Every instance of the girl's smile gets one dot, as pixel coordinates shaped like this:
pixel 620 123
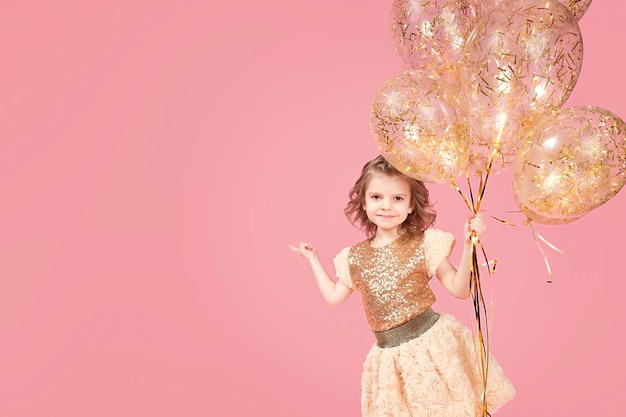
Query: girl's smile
pixel 388 203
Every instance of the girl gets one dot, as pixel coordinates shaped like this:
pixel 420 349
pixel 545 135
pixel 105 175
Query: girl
pixel 423 363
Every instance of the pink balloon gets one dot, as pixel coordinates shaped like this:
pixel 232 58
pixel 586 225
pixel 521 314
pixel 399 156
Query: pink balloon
pixel 417 127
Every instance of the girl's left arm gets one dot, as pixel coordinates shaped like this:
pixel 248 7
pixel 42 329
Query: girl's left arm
pixel 456 281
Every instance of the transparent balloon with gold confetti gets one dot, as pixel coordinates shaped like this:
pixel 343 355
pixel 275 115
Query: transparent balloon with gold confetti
pixel 418 127
pixel 572 163
pixel 526 56
pixel 429 35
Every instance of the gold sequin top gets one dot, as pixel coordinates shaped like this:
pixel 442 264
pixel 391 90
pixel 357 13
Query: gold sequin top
pixel 393 279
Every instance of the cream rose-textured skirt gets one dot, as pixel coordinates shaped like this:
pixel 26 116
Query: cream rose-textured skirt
pixel 436 374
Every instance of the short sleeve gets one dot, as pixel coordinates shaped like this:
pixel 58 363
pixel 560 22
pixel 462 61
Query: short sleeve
pixel 342 268
pixel 437 246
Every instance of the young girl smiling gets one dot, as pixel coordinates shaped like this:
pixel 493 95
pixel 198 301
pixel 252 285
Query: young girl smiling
pixel 423 363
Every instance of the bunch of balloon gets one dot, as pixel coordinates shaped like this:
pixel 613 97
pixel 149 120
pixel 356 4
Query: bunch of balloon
pixel 498 64
pixel 524 58
pixel 483 90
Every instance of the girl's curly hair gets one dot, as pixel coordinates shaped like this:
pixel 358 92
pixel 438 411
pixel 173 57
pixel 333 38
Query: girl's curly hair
pixel 423 215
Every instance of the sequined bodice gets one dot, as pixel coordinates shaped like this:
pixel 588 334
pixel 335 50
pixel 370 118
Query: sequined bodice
pixel 393 280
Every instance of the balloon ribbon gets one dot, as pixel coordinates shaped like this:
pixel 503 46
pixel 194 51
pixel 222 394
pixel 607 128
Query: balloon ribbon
pixel 476 292
pixel 538 238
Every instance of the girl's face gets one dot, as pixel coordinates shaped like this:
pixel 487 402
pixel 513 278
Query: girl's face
pixel 387 202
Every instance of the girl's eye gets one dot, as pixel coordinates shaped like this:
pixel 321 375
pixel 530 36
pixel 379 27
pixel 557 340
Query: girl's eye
pixel 399 198
pixel 375 197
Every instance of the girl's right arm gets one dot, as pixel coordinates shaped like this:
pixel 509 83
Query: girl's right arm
pixel 334 292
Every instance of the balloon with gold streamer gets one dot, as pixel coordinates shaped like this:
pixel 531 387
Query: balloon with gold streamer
pixel 572 163
pixel 524 58
pixel 417 126
pixel 430 34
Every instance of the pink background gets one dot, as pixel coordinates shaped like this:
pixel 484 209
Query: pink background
pixel 156 157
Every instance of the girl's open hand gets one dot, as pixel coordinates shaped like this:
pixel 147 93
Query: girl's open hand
pixel 305 250
pixel 474 224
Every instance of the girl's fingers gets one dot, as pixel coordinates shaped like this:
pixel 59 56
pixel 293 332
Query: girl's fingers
pixel 477 224
pixel 299 249
pixel 302 248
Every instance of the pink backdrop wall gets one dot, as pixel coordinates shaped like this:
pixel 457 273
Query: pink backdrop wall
pixel 156 157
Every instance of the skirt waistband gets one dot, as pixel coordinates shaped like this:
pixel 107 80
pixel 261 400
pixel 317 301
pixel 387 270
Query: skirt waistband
pixel 407 331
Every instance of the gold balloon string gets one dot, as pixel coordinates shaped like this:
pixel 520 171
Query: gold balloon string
pixel 469 188
pixel 494 262
pixel 476 291
pixel 483 185
pixel 478 295
pixel 482 322
pixel 539 238
pixel 508 223
pixel 474 207
pixel 490 264
pixel 467 203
